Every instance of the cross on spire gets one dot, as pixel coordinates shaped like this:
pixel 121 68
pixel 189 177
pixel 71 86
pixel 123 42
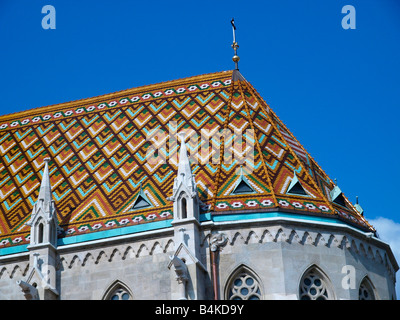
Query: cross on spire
pixel 235 45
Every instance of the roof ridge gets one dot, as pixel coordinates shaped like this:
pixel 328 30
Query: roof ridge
pixel 222 143
pixel 313 182
pixel 93 99
pixel 258 97
pixel 257 143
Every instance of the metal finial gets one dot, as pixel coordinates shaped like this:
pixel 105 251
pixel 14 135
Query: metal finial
pixel 357 199
pixel 235 45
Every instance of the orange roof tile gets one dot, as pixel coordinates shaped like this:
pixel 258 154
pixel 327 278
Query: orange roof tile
pixel 100 156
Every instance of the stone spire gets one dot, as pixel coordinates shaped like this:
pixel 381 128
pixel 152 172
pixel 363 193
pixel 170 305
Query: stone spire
pixel 41 280
pixel 185 178
pixel 44 222
pixel 185 175
pixel 186 259
pixel 45 187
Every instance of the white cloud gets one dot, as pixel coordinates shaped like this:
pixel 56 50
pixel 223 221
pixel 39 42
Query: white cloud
pixel 389 231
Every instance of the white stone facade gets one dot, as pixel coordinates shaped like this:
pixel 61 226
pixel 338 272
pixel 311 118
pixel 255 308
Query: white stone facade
pixel 250 255
pixel 275 253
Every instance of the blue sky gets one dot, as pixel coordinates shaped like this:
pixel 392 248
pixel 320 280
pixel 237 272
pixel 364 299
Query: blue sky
pixel 337 90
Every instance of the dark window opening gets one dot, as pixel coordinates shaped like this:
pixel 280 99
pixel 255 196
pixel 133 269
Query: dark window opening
pixel 184 208
pixel 141 203
pixel 243 187
pixel 340 200
pixel 40 235
pixel 297 189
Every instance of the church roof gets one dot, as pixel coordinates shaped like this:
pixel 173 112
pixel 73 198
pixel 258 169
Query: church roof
pixel 100 161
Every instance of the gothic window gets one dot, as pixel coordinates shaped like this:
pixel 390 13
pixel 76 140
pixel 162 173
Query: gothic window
pixel 118 291
pixel 366 290
pixel 120 294
pixel 40 234
pixel 184 208
pixel 314 285
pixel 243 286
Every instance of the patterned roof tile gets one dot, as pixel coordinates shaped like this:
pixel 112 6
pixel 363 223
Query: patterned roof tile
pixel 103 150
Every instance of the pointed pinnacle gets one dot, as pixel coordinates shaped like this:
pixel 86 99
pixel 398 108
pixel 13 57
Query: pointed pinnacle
pixel 45 187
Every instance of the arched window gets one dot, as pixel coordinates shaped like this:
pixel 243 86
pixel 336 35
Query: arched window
pixel 120 294
pixel 184 208
pixel 314 285
pixel 243 285
pixel 40 233
pixel 366 290
pixel 118 291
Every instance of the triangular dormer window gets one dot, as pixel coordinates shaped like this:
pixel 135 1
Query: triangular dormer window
pixel 141 201
pixel 340 200
pixel 295 187
pixel 337 196
pixel 242 185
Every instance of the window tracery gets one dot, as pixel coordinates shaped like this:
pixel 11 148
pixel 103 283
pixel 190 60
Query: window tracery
pixel 118 291
pixel 315 286
pixel 366 291
pixel 120 294
pixel 244 286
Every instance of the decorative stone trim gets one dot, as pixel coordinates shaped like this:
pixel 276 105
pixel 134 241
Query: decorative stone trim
pixel 305 236
pixel 15 270
pixel 112 253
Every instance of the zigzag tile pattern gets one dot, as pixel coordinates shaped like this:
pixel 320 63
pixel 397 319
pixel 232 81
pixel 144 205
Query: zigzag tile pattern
pixel 104 149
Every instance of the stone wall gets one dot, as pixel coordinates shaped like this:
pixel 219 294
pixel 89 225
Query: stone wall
pixel 280 254
pixel 277 253
pixel 141 265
